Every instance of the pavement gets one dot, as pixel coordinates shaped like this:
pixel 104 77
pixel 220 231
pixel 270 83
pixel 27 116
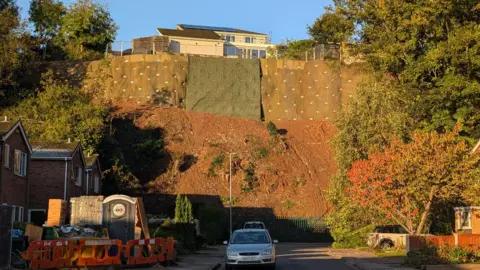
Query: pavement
pixel 364 260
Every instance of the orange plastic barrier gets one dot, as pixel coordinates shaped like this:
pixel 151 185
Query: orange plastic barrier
pixel 99 252
pixel 158 250
pixel 50 254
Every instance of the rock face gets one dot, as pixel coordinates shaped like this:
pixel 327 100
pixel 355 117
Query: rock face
pixel 287 174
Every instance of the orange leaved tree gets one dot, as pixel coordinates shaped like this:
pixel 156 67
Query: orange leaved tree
pixel 405 179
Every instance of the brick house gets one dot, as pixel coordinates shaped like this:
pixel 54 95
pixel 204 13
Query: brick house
pixel 15 152
pixel 57 171
pixel 94 174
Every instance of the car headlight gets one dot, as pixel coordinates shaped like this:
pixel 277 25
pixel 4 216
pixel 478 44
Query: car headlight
pixel 266 252
pixel 232 253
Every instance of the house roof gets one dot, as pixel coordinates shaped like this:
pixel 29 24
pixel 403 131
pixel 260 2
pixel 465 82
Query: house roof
pixel 7 128
pixel 189 33
pixel 216 28
pixel 43 149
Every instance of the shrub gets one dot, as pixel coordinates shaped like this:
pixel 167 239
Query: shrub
pixel 460 255
pixel 251 180
pixel 419 257
pixel 351 239
pixel 261 152
pixel 272 129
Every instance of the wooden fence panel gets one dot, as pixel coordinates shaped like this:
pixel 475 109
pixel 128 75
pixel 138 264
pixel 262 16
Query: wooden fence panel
pixel 469 241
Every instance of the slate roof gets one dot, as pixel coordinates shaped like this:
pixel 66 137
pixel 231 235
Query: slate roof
pixel 48 149
pixel 190 33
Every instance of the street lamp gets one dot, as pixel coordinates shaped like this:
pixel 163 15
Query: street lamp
pixel 230 180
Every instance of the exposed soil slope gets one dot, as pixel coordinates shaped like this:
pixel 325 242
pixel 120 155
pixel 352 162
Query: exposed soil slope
pixel 288 173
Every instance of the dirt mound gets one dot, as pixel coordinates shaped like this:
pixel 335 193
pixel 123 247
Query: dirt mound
pixel 288 173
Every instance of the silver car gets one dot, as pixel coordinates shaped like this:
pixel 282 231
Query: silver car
pixel 250 247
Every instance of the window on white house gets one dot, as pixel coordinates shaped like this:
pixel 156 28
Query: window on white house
pixel 465 219
pixel 20 166
pixel 79 177
pixel 97 184
pixel 7 156
pixel 230 38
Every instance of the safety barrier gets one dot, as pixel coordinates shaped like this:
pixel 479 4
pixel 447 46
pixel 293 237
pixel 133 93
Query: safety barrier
pixel 99 252
pixel 150 251
pixel 63 253
pixel 50 254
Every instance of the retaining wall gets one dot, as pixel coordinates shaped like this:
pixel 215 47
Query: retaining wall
pixel 266 89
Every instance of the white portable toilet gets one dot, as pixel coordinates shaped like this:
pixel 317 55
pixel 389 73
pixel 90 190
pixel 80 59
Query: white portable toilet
pixel 119 216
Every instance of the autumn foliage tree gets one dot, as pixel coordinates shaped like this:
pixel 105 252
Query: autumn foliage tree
pixel 405 180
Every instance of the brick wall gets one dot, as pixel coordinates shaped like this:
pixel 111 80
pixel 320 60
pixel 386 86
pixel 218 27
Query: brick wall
pixel 14 189
pixel 94 172
pixel 48 178
pixel 47 182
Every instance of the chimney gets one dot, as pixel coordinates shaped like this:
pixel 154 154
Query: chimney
pixel 6 119
pixel 69 141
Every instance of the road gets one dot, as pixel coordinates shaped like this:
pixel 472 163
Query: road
pixel 307 257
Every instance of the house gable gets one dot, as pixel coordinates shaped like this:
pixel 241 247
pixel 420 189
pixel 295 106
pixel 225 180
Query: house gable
pixel 16 128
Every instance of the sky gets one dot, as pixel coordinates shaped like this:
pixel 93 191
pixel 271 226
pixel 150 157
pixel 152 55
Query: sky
pixel 280 18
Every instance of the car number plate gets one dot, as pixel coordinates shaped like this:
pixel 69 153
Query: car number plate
pixel 250 258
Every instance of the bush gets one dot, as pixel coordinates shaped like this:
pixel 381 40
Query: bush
pixel 351 239
pixel 440 255
pixel 272 129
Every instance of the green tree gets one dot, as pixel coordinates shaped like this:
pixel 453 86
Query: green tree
pixel 294 49
pixel 46 16
pixel 60 112
pixel 375 113
pixel 15 52
pixel 331 28
pixel 183 210
pixel 430 48
pixel 429 51
pixel 86 30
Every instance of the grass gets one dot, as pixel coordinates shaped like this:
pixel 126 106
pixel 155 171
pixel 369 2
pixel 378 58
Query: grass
pixel 391 253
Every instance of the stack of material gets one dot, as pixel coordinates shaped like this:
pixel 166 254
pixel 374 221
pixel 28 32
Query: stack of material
pixel 57 210
pixel 86 210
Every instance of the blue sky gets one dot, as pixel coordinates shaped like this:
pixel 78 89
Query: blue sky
pixel 282 18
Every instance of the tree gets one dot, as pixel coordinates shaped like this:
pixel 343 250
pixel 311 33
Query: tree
pixel 294 49
pixel 431 48
pixel 331 28
pixel 183 210
pixel 86 30
pixel 60 112
pixel 405 179
pixel 15 51
pixel 46 16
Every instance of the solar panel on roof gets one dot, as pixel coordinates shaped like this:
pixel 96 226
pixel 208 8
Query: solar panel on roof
pixel 213 28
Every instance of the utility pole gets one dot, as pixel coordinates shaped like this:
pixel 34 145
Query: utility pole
pixel 231 193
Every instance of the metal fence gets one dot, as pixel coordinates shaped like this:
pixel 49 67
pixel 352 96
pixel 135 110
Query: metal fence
pixel 154 45
pixel 288 229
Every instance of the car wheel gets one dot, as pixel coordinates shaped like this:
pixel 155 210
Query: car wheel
pixel 386 245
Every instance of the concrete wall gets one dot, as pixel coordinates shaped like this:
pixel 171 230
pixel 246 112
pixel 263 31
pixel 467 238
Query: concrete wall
pixel 196 46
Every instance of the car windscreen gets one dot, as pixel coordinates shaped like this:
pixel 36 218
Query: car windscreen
pixel 250 238
pixel 254 226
